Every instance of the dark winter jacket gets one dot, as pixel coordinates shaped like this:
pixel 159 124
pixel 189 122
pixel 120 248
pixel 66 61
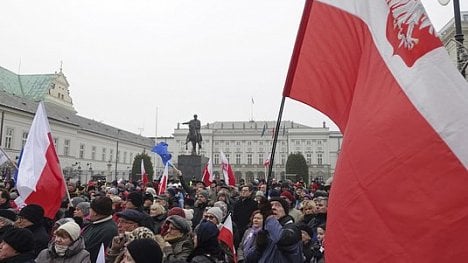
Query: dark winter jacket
pixel 98 232
pixel 241 213
pixel 40 236
pixel 21 258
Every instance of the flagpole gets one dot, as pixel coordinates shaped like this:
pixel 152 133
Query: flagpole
pixel 275 141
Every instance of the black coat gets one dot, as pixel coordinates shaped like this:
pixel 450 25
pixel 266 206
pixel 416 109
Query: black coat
pixel 241 213
pixel 40 236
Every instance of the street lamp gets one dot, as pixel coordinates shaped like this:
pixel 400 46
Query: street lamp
pixel 461 64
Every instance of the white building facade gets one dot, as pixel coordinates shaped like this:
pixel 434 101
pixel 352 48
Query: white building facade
pixel 248 144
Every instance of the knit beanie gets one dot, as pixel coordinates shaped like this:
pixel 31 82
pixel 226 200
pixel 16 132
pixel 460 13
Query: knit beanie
pixel 283 203
pixel 217 212
pixel 84 207
pixel 72 228
pixel 136 198
pixel 20 239
pixel 223 207
pixel 207 233
pixel 205 193
pixel 289 196
pixel 176 211
pixel 145 251
pixel 102 205
pixel 179 223
pixel 76 200
pixel 34 213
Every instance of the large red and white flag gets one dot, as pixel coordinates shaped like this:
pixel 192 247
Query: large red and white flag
pixel 226 235
pixel 379 71
pixel 228 174
pixel 40 179
pixel 163 180
pixel 144 174
pixel 208 175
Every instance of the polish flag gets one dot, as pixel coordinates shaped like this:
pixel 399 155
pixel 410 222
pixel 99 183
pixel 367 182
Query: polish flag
pixel 144 174
pixel 226 235
pixel 163 181
pixel 227 171
pixel 266 163
pixel 208 175
pixel 39 179
pixel 379 71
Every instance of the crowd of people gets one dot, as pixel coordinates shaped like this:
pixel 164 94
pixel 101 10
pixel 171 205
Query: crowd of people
pixel 128 222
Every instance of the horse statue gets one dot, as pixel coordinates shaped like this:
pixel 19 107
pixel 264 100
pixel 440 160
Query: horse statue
pixel 194 135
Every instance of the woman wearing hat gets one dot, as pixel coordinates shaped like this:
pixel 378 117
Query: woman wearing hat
pixel 207 248
pixel 67 246
pixel 143 251
pixel 176 243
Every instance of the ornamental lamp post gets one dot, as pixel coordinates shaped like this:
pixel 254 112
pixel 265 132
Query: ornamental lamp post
pixel 459 39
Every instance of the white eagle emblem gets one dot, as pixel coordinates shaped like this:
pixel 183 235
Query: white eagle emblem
pixel 409 15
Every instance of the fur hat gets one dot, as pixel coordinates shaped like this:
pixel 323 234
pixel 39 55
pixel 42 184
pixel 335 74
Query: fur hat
pixel 136 198
pixel 20 239
pixel 140 233
pixel 217 212
pixel 72 228
pixel 8 214
pixel 34 213
pixel 102 205
pixel 145 251
pixel 179 223
pixel 84 207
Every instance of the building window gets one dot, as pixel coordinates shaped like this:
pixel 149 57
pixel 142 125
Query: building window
pixel 216 158
pixel 238 158
pixel 308 142
pixel 111 157
pixel 238 143
pixel 125 157
pixel 319 142
pixel 298 142
pixel 131 157
pixel 283 158
pixel 82 149
pixel 260 143
pixel 249 158
pixel 309 158
pixel 9 137
pixel 66 147
pixel 56 141
pixel 249 143
pixel 24 138
pixel 118 156
pixel 260 158
pixel 103 155
pixel 319 159
pixel 228 157
pixel 93 153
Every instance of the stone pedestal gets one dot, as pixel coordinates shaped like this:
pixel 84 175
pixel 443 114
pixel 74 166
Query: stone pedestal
pixel 191 166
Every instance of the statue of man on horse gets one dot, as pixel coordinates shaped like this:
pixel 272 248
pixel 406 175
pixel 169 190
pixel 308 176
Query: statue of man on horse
pixel 194 135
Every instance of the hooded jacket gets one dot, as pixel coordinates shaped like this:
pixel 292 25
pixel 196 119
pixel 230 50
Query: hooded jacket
pixel 76 253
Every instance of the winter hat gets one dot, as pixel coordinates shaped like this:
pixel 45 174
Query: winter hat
pixel 34 213
pixel 113 191
pixel 283 203
pixel 148 196
pixel 306 228
pixel 140 233
pixel 188 214
pixel 135 198
pixel 205 193
pixel 217 212
pixel 76 200
pixel 84 207
pixel 145 251
pixel 259 193
pixel 176 211
pixel 102 205
pixel 132 215
pixel 179 223
pixel 207 234
pixel 274 193
pixel 20 239
pixel 151 191
pixel 289 196
pixel 115 199
pixel 8 214
pixel 223 207
pixel 62 221
pixel 72 228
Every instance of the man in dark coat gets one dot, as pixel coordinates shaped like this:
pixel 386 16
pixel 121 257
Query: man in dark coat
pixel 243 209
pixel 101 229
pixel 31 217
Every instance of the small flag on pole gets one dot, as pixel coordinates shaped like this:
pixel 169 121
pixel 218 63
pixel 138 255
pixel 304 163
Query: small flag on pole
pixel 163 181
pixel 144 174
pixel 208 175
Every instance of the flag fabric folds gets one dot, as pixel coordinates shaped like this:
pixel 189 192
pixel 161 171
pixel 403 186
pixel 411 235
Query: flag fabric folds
pixel 144 174
pixel 382 75
pixel 39 179
pixel 163 180
pixel 266 162
pixel 228 174
pixel 161 150
pixel 208 175
pixel 226 235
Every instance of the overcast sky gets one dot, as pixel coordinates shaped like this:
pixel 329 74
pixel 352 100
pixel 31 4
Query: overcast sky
pixel 125 59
